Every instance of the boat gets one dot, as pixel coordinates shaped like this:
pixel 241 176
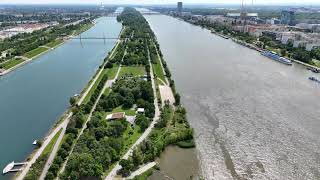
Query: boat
pixel 35 142
pixel 276 57
pixel 314 70
pixel 76 95
pixel 314 79
pixel 8 168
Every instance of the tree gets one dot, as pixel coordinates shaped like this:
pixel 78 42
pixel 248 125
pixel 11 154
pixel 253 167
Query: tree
pixel 177 99
pixel 49 176
pixel 137 157
pixel 73 101
pixel 283 52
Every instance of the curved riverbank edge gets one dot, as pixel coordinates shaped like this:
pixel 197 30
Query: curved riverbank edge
pixel 63 120
pixel 245 44
pixel 38 55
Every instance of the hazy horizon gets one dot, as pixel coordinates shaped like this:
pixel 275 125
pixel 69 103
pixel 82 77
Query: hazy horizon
pixel 149 2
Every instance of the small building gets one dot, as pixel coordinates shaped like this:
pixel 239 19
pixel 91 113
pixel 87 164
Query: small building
pixel 140 110
pixel 115 116
pixel 179 7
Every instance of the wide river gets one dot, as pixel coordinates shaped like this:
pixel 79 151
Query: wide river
pixel 254 118
pixel 33 97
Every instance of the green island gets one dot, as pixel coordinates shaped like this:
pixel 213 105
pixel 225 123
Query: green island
pixel 119 109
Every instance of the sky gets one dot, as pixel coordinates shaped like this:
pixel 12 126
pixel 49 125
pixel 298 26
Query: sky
pixel 291 2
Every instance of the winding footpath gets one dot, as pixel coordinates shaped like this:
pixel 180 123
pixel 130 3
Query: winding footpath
pixel 62 125
pixel 108 84
pixel 146 133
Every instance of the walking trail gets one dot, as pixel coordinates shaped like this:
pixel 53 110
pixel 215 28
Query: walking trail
pixel 146 133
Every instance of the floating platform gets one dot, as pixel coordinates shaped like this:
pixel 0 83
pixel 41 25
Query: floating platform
pixel 10 167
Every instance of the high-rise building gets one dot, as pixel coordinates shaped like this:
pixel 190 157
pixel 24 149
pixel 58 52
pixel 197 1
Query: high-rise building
pixel 287 17
pixel 179 8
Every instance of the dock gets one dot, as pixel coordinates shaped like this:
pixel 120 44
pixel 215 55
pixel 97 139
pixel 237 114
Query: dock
pixel 10 167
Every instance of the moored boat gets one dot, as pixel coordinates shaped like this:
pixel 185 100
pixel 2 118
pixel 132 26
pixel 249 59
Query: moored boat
pixel 276 57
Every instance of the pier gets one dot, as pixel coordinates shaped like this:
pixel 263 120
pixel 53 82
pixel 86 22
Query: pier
pixel 10 167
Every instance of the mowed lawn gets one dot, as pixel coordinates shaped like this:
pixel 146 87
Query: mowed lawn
pixel 157 69
pixel 11 63
pixel 35 52
pixel 54 43
pixel 111 74
pixel 135 71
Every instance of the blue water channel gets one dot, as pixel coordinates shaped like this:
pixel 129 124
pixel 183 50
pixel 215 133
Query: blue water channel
pixel 34 96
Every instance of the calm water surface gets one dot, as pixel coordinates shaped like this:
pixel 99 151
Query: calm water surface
pixel 254 118
pixel 34 96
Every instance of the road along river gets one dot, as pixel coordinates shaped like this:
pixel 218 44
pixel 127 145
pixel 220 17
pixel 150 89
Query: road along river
pixel 34 96
pixel 254 118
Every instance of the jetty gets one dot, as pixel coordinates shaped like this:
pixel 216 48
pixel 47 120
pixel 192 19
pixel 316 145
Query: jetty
pixel 10 167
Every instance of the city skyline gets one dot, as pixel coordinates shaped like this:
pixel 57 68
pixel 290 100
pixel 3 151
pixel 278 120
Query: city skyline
pixel 257 2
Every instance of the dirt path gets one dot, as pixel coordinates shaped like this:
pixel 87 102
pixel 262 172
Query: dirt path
pixel 142 170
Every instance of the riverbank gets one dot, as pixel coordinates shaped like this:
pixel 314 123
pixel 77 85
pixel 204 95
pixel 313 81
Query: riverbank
pixel 235 97
pixel 60 124
pixel 51 46
pixel 246 44
pixel 170 128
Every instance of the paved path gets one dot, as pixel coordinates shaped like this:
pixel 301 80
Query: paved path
pixel 63 125
pixel 146 133
pixel 53 152
pixel 166 94
pixel 40 150
pixel 142 170
pixel 108 84
pixel 96 77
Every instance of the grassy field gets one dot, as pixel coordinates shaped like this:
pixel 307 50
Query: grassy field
pixel 35 52
pixel 130 136
pixel 112 72
pixel 83 29
pixel 128 112
pixel 36 168
pixel 11 63
pixel 133 71
pixel 54 43
pixel 316 63
pixel 94 87
pixel 157 69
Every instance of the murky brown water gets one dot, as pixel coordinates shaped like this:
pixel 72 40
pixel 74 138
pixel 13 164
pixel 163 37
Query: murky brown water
pixel 177 163
pixel 255 118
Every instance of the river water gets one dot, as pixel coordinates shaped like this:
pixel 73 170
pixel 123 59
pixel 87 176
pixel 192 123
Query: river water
pixel 33 97
pixel 254 118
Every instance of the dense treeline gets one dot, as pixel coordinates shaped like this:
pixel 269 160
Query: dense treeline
pixel 298 53
pixel 264 41
pixel 75 124
pixel 135 21
pixel 171 128
pixel 25 42
pixel 102 142
pixel 126 93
